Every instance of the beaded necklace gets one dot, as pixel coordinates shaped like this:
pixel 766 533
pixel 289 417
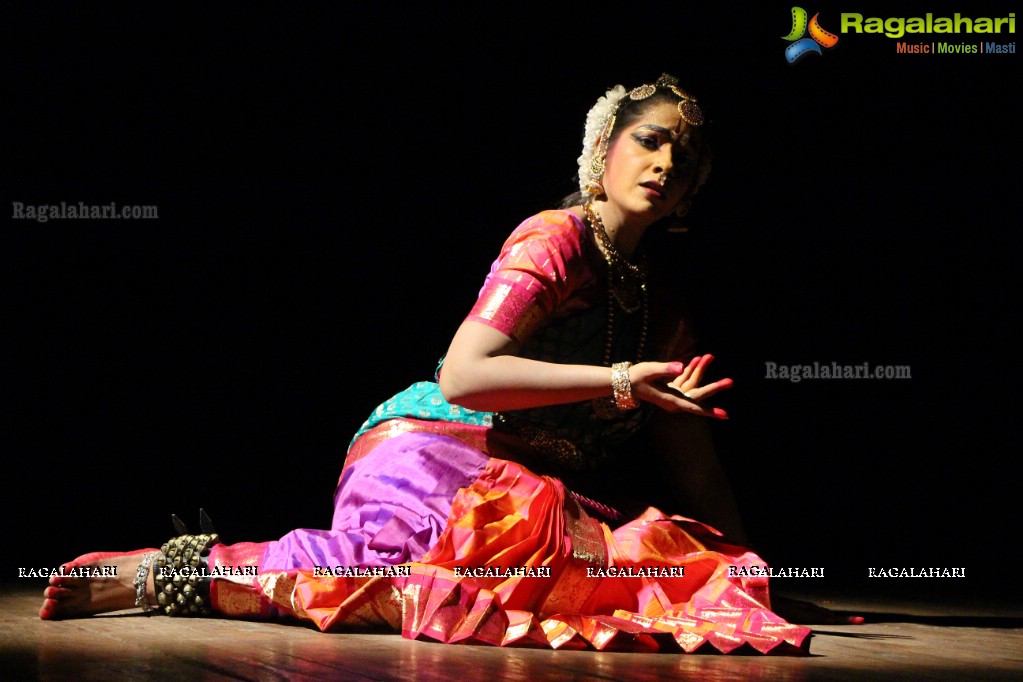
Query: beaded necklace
pixel 626 282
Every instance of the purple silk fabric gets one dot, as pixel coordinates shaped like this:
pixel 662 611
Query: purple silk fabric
pixel 390 506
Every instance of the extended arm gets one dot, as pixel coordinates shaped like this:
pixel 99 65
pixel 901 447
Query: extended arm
pixel 481 372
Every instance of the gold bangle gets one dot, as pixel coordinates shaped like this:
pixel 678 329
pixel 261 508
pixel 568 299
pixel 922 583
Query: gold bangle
pixel 622 387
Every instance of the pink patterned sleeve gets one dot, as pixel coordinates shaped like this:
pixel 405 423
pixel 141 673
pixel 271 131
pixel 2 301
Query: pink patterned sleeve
pixel 540 264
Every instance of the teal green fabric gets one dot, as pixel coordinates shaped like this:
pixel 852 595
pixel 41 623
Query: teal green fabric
pixel 423 400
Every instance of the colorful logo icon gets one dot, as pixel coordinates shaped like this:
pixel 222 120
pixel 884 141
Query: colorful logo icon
pixel 802 46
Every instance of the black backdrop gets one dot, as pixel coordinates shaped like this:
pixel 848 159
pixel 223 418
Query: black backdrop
pixel 332 187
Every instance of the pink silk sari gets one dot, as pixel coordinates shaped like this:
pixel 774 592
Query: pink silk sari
pixel 508 520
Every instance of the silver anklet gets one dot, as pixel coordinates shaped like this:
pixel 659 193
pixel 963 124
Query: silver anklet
pixel 141 578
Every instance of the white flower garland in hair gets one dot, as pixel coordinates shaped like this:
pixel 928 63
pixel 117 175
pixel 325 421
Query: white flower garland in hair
pixel 596 119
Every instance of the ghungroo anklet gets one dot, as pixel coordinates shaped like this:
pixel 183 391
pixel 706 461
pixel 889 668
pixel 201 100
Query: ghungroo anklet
pixel 180 575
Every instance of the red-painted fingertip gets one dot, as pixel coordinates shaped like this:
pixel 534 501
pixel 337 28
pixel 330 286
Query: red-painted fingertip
pixel 719 413
pixel 726 383
pixel 676 367
pixel 856 620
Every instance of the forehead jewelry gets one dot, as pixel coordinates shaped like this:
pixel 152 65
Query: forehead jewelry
pixel 688 109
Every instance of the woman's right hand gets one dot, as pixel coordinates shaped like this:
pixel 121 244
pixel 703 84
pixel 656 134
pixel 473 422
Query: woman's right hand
pixel 676 386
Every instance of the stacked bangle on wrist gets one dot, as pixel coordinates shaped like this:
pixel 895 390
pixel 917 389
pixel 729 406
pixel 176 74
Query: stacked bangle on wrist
pixel 622 387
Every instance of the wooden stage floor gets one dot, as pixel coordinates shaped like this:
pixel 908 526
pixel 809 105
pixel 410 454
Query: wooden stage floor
pixel 901 640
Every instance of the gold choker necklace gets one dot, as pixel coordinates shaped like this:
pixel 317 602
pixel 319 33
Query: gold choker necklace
pixel 626 281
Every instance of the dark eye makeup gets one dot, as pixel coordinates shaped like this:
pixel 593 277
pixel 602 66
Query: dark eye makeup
pixel 646 140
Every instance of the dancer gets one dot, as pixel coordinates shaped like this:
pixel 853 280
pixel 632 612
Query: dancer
pixel 487 505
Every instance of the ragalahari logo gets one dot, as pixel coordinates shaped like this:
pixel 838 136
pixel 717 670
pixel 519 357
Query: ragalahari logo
pixel 802 46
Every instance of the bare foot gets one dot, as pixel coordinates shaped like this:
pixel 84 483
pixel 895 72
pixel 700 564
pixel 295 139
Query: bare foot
pixel 76 597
